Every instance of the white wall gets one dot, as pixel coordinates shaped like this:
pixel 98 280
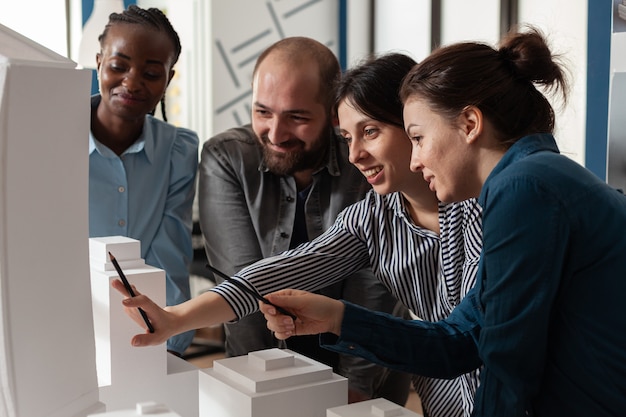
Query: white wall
pixel 40 20
pixel 565 24
pixel 400 25
pixel 405 25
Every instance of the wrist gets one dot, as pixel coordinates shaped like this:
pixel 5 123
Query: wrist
pixel 339 310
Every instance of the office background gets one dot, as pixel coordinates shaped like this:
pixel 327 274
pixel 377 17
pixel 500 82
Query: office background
pixel 220 45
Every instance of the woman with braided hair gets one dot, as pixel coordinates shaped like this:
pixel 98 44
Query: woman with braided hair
pixel 142 170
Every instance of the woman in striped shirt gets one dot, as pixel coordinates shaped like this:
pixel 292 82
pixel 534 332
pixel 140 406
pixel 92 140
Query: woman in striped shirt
pixel 424 251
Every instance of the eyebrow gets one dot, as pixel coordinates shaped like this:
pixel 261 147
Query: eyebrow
pixel 409 127
pixel 148 61
pixel 291 111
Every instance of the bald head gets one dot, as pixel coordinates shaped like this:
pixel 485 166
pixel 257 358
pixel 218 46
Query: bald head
pixel 298 53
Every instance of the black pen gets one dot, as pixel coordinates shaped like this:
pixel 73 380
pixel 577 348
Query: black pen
pixel 249 291
pixel 130 290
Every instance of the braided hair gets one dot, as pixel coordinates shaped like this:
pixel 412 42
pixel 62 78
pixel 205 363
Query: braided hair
pixel 151 18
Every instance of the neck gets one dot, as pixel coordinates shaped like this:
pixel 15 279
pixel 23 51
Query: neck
pixel 115 133
pixel 423 207
pixel 303 178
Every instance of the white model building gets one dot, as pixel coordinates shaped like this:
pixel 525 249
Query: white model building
pixel 148 408
pixel 378 407
pixel 266 383
pixel 270 383
pixel 47 355
pixel 128 375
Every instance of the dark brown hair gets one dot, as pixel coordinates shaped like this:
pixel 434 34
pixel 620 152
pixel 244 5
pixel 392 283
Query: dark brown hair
pixel 373 87
pixel 500 82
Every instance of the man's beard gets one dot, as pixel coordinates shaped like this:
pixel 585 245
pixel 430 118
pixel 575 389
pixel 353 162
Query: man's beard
pixel 296 159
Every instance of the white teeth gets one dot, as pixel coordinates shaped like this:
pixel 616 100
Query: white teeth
pixel 372 171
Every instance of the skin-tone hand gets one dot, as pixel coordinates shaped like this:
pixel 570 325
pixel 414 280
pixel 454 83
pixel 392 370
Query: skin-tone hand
pixel 160 319
pixel 316 314
pixel 204 310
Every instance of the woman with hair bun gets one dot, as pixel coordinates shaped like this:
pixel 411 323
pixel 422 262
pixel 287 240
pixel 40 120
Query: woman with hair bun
pixel 544 320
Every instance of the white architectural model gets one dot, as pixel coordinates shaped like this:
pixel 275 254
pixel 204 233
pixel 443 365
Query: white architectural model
pixel 270 383
pixel 378 407
pixel 49 318
pixel 47 355
pixel 149 408
pixel 129 375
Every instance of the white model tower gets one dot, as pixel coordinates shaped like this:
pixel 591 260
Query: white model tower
pixel 47 355
pixel 128 375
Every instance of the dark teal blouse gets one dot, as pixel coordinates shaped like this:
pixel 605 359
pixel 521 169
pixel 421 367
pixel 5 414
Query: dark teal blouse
pixel 545 318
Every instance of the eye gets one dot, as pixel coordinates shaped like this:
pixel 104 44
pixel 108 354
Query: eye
pixel 415 139
pixel 346 139
pixel 117 68
pixel 153 75
pixel 370 132
pixel 299 119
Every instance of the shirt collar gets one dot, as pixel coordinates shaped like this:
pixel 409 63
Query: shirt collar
pixel 140 144
pixel 519 150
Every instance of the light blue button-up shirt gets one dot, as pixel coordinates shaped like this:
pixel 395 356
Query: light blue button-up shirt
pixel 147 194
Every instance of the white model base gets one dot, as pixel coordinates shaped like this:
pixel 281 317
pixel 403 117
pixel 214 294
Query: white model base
pixel 270 383
pixel 378 407
pixel 149 408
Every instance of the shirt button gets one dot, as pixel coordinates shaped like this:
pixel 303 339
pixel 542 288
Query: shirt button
pixel 289 199
pixel 121 189
pixel 122 223
pixel 284 235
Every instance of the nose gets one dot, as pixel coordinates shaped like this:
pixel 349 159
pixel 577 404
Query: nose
pixel 277 133
pixel 415 164
pixel 132 80
pixel 357 151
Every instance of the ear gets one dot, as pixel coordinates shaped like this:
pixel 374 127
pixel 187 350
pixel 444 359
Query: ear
pixel 169 80
pixel 471 122
pixel 334 119
pixel 98 60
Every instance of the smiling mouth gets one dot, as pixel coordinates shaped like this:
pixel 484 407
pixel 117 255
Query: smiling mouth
pixel 373 171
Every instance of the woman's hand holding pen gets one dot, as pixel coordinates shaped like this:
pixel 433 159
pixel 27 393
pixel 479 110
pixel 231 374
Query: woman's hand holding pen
pixel 161 319
pixel 315 314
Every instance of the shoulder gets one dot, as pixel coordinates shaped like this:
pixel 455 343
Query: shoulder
pixel 234 150
pixel 235 138
pixel 238 143
pixel 179 138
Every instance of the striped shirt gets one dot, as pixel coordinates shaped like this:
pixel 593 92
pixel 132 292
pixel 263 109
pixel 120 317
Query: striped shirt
pixel 430 273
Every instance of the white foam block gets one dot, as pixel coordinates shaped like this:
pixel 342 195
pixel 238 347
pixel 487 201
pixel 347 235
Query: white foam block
pixel 257 377
pixel 129 375
pixel 270 359
pixel 147 408
pixel 378 407
pixel 102 265
pixel 123 248
pixel 47 355
pixel 239 387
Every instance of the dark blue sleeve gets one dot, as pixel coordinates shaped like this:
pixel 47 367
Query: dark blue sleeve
pixel 445 349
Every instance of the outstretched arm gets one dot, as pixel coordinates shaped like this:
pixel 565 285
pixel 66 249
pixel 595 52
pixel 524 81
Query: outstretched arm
pixel 444 349
pixel 204 310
